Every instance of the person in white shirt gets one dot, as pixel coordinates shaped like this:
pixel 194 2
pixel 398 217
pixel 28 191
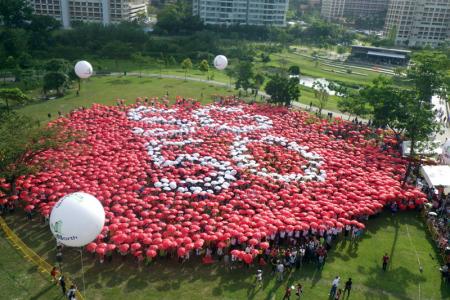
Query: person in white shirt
pixel 334 286
pixel 259 277
pixel 280 271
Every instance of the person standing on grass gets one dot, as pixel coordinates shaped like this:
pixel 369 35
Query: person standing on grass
pixel 259 278
pixel 53 273
pixel 299 291
pixel 348 287
pixel 385 261
pixel 334 286
pixel 287 293
pixel 280 271
pixel 338 294
pixel 71 293
pixel 62 283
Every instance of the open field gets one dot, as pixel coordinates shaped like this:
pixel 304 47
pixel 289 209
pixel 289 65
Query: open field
pixel 20 279
pixel 106 90
pixel 403 237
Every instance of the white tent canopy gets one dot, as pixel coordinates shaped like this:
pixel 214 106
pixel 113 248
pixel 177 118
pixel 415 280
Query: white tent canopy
pixel 437 176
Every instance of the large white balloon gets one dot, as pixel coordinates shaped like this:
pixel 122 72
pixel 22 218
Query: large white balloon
pixel 83 69
pixel 77 219
pixel 220 62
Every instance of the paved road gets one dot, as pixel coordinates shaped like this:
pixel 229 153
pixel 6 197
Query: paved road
pixel 441 137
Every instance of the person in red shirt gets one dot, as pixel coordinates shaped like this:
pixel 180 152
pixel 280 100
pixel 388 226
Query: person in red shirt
pixel 385 261
pixel 53 273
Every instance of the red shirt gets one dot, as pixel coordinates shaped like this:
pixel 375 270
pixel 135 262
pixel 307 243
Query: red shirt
pixel 385 259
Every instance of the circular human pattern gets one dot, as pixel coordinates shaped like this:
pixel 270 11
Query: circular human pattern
pixel 183 177
pixel 223 172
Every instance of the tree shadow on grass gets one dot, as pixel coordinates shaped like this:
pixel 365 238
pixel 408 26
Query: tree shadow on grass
pixel 119 81
pixel 147 81
pixel 45 290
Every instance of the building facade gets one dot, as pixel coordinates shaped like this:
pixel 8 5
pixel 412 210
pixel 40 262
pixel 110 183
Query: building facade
pixel 243 12
pixel 339 9
pixel 104 11
pixel 365 8
pixel 332 9
pixel 418 23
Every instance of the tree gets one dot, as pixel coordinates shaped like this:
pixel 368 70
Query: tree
pixel 57 81
pixel 14 95
pixel 244 76
pixel 14 13
pixel 265 58
pixel 321 93
pixel 204 66
pixel 398 71
pixel 402 110
pixel 186 65
pixel 231 73
pixel 428 73
pixel 294 70
pixel 282 90
pixel 258 81
pixel 58 65
pixel 23 139
pixel 176 18
pixel 140 60
pixel 14 41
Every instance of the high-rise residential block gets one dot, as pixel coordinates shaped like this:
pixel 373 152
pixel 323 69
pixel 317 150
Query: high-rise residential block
pixel 338 9
pixel 418 23
pixel 332 9
pixel 104 11
pixel 243 12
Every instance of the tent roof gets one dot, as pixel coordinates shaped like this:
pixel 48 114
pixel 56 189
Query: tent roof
pixel 384 54
pixel 436 175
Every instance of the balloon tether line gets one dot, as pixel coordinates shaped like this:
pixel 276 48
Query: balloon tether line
pixel 82 271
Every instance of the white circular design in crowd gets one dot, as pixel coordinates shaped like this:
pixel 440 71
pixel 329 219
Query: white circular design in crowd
pixel 223 173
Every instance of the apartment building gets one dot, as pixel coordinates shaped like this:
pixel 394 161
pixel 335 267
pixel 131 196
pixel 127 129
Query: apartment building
pixel 339 9
pixel 365 8
pixel 104 11
pixel 418 23
pixel 244 12
pixel 332 9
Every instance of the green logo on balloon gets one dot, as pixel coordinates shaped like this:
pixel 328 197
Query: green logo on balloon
pixel 56 227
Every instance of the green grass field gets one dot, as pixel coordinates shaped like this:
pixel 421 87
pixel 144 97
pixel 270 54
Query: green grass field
pixel 106 90
pixel 403 237
pixel 20 279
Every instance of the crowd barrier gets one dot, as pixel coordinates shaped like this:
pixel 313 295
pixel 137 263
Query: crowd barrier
pixel 30 255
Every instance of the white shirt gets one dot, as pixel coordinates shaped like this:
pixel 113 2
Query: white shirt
pixel 336 282
pixel 280 268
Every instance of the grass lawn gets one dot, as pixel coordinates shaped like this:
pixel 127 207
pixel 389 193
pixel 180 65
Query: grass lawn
pixel 20 279
pixel 106 90
pixel 308 68
pixel 403 237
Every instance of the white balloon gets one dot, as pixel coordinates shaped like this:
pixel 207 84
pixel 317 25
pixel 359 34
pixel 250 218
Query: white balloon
pixel 83 69
pixel 77 219
pixel 220 62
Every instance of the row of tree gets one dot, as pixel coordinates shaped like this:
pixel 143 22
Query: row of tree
pixel 406 110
